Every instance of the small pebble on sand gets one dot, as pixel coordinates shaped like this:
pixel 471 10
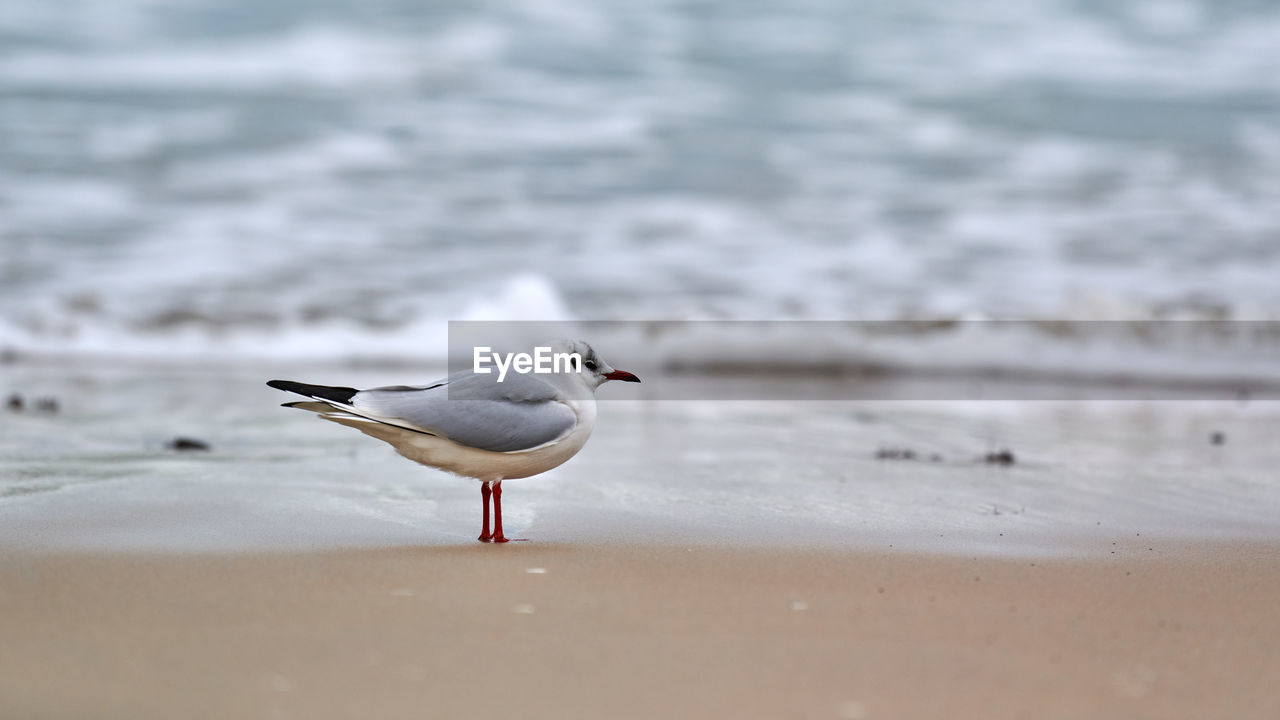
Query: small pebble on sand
pixel 186 444
pixel 1002 457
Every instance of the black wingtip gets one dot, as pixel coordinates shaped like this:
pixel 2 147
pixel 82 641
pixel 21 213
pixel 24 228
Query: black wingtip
pixel 324 392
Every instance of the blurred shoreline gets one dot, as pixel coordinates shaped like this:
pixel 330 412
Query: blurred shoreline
pixel 723 377
pixel 913 473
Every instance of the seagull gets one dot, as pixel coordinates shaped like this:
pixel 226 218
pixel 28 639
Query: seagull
pixel 473 424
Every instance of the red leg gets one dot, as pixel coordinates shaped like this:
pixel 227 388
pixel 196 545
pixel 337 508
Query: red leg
pixel 498 537
pixel 484 495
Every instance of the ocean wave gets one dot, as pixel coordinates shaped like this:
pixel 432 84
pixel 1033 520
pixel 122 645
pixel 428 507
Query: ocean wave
pixel 82 327
pixel 313 56
pixel 339 182
pixel 1192 345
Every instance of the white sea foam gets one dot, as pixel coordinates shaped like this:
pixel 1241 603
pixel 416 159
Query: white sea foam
pixel 1043 40
pixel 314 56
pixel 305 162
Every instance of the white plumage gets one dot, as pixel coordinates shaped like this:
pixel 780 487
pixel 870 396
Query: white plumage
pixel 472 424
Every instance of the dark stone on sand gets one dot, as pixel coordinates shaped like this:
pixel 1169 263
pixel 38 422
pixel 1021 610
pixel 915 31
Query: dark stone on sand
pixel 186 444
pixel 46 404
pixel 1002 457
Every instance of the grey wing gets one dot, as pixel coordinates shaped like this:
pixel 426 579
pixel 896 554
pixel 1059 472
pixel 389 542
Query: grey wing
pixel 468 385
pixel 476 414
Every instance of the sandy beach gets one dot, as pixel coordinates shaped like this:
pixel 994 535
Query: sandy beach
pixel 555 631
pixel 697 559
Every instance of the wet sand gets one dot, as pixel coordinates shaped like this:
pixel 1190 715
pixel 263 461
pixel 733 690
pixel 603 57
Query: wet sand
pixel 101 474
pixel 538 630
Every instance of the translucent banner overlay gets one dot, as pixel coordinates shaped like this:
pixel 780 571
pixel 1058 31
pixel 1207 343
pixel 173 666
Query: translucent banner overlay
pixel 907 360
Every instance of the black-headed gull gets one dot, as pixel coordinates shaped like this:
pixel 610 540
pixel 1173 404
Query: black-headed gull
pixel 474 425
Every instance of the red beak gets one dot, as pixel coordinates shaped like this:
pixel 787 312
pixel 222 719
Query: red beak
pixel 622 375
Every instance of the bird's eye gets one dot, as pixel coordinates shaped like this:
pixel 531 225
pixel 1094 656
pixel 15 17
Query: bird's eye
pixel 590 365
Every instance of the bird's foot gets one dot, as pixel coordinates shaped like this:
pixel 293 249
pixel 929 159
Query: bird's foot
pixel 485 537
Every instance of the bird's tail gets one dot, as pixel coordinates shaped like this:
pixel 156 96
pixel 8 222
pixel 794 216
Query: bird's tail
pixel 320 392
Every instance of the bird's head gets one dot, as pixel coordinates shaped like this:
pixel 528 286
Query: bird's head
pixel 594 371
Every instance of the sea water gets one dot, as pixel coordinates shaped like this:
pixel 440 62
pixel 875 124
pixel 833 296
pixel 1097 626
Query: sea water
pixel 200 178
